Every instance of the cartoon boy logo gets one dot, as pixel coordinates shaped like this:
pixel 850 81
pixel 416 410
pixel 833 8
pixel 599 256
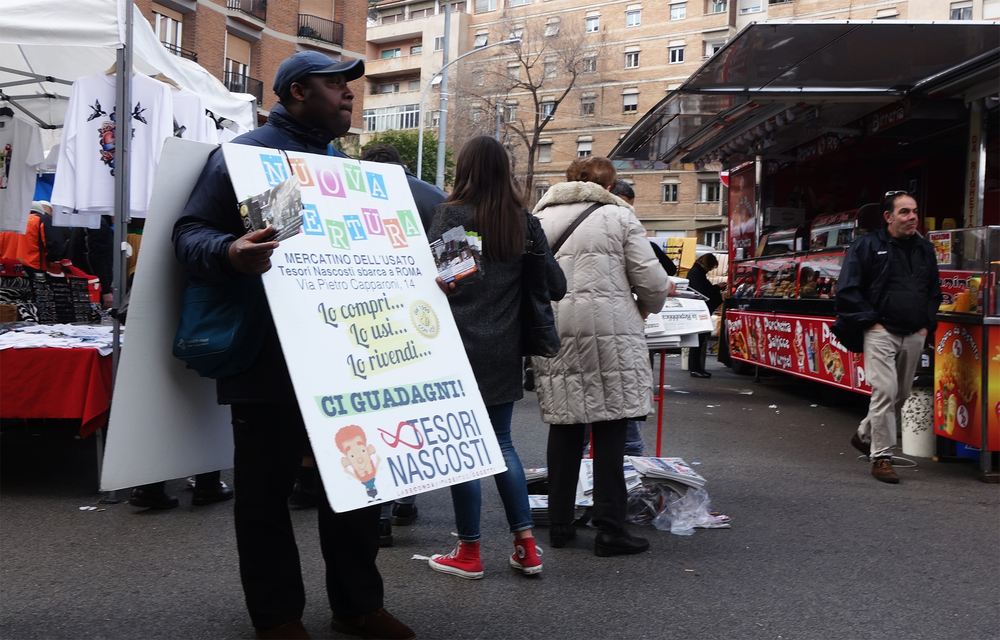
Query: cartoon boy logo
pixel 360 460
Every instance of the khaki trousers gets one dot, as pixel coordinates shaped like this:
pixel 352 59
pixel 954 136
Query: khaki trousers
pixel 890 362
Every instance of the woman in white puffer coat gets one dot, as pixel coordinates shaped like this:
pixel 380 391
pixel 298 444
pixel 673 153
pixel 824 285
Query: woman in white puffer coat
pixel 601 375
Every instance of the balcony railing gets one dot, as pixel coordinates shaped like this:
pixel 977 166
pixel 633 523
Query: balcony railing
pixel 238 83
pixel 181 51
pixel 255 8
pixel 321 29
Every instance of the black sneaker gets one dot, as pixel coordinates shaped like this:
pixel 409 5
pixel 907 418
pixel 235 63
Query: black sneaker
pixel 403 514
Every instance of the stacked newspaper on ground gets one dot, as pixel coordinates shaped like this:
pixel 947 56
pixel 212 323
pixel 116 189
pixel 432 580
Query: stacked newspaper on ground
pixel 671 471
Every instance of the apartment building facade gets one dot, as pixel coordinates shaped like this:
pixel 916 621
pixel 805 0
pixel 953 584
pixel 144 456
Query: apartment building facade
pixel 242 42
pixel 585 73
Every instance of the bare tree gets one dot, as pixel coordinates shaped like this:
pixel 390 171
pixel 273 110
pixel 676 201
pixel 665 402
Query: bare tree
pixel 530 81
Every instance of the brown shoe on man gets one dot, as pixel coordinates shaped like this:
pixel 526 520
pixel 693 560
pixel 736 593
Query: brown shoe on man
pixel 287 631
pixel 882 470
pixel 377 625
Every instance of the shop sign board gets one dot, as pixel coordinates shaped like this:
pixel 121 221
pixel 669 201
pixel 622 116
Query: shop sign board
pixel 803 346
pixel 958 382
pixel 888 116
pixel 386 391
pixel 817 147
pixel 742 213
pixel 942 245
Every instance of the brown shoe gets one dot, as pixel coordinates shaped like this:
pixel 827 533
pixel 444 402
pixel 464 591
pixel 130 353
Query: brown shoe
pixel 377 625
pixel 882 470
pixel 287 631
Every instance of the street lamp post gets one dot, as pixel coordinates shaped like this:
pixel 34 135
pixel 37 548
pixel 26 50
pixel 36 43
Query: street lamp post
pixel 423 97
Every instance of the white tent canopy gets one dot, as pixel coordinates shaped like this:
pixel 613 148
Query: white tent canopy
pixel 47 44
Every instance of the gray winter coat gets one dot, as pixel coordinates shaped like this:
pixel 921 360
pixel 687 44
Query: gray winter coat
pixel 602 371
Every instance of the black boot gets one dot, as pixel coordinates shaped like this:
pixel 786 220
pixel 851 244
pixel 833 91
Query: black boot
pixel 619 543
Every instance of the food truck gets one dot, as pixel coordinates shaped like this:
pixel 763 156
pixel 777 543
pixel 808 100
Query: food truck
pixel 810 125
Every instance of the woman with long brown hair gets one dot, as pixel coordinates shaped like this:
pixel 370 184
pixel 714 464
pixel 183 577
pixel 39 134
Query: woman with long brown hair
pixel 487 312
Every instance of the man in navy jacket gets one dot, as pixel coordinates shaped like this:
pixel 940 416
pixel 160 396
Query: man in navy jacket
pixel 315 107
pixel 887 299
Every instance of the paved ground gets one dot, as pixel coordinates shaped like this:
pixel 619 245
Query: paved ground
pixel 818 549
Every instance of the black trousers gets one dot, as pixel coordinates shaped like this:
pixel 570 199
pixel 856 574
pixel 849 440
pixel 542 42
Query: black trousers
pixel 697 355
pixel 610 496
pixel 269 441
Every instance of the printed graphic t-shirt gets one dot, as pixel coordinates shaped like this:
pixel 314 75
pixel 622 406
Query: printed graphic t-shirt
pixel 85 173
pixel 20 153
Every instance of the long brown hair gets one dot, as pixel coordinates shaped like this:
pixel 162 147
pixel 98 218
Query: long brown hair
pixel 483 182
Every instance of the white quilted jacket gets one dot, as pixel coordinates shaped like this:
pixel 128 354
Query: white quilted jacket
pixel 602 371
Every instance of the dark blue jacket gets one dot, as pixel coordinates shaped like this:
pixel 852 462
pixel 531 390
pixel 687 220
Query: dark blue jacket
pixel 425 196
pixel 862 282
pixel 211 222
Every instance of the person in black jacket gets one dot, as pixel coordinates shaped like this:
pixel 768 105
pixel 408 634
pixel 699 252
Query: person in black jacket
pixel 887 299
pixel 314 107
pixel 425 196
pixel 403 511
pixel 698 280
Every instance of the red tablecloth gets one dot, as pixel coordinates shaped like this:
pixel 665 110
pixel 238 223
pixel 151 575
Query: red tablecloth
pixel 56 383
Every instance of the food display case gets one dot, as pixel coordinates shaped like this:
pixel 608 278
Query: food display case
pixel 744 277
pixel 778 277
pixel 818 274
pixel 967 340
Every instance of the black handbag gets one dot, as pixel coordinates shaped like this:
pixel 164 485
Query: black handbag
pixel 538 324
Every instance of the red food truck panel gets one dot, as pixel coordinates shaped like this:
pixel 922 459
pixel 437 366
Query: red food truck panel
pixel 800 345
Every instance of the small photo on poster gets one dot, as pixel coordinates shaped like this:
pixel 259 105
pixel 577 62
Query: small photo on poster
pixel 457 254
pixel 279 207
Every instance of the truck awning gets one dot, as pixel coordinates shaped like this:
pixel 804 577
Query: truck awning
pixel 776 85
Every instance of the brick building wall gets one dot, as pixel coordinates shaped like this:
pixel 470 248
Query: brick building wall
pixel 206 25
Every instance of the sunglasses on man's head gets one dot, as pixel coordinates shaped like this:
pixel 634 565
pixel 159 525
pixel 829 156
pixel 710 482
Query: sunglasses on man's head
pixel 889 194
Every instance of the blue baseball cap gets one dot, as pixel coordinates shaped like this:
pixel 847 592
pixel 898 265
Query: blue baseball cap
pixel 304 63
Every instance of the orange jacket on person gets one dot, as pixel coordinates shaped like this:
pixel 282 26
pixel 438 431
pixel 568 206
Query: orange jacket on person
pixel 33 248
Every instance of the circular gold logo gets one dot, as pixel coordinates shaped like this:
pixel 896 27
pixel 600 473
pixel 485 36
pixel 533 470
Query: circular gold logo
pixel 424 319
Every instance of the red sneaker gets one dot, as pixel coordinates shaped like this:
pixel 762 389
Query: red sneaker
pixel 463 561
pixel 525 556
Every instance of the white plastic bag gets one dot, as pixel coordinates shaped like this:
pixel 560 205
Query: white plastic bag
pixel 691 511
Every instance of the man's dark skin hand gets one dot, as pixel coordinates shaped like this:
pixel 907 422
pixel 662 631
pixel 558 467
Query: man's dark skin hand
pixel 251 254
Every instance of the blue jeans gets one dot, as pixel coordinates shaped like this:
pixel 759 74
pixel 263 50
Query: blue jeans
pixel 468 496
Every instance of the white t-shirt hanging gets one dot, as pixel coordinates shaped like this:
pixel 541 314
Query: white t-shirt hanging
pixel 190 121
pixel 85 172
pixel 20 153
pixel 226 134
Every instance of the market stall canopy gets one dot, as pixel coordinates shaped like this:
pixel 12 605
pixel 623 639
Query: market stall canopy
pixel 47 44
pixel 776 85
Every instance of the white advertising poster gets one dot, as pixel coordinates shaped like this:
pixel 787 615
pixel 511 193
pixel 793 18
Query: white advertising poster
pixel 385 388
pixel 165 422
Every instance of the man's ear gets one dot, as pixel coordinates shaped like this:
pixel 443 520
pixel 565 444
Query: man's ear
pixel 299 91
pixel 887 215
pixel 345 462
pixel 371 450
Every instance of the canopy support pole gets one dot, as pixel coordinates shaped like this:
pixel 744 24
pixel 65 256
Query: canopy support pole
pixel 123 156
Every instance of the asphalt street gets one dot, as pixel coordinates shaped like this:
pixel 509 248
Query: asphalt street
pixel 817 548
